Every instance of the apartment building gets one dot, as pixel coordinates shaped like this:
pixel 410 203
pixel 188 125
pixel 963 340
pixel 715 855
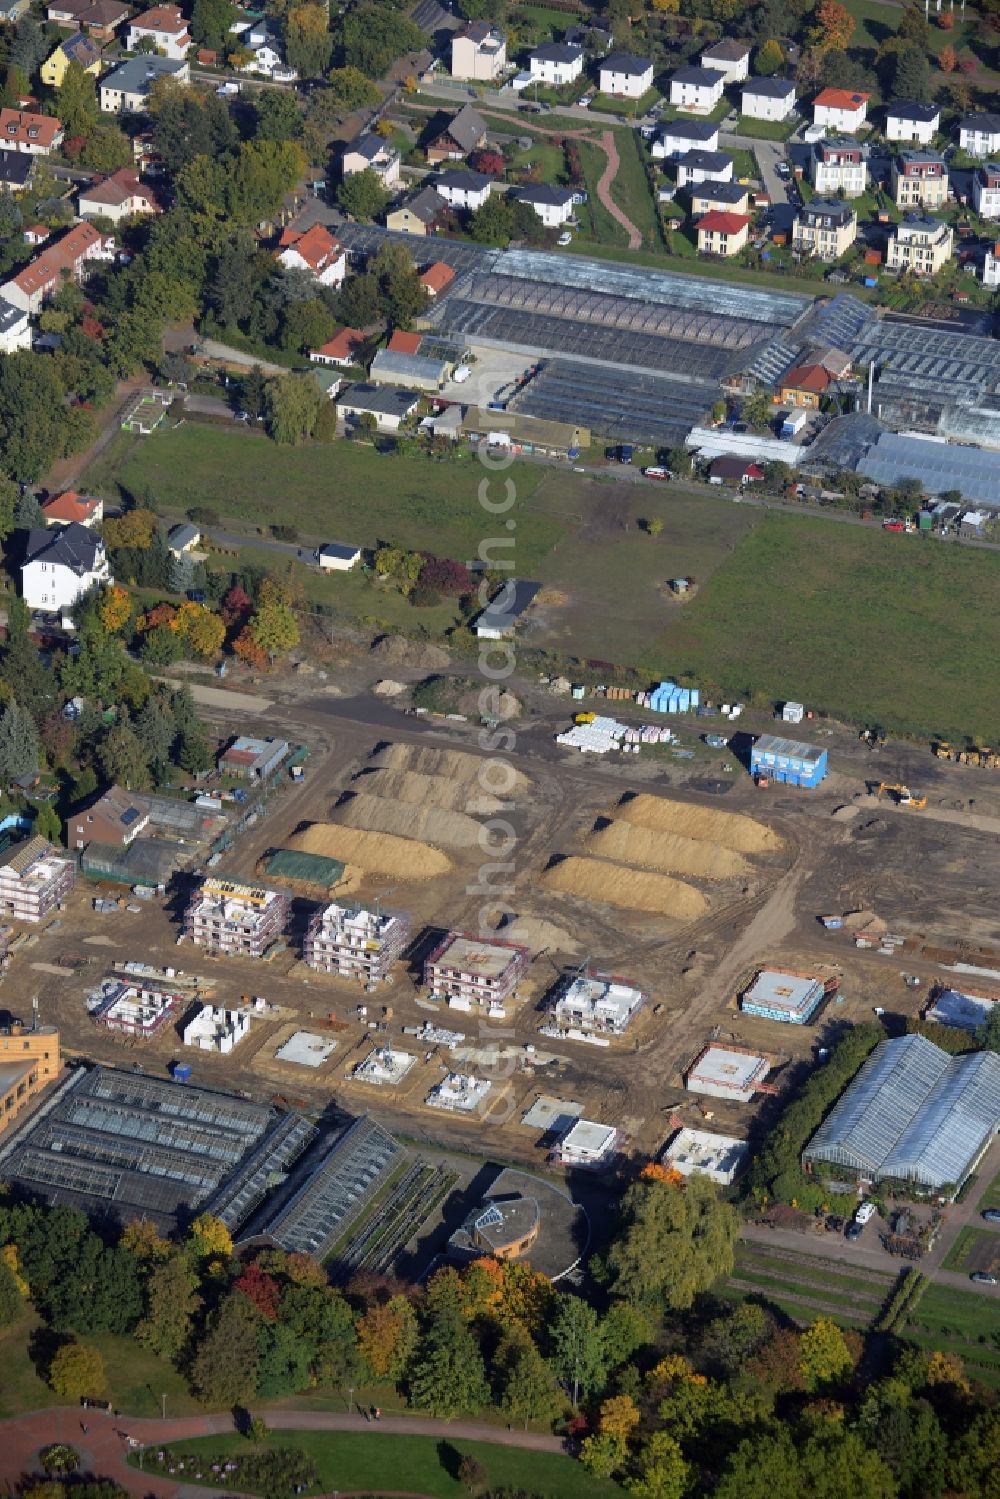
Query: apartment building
pixel 836 165
pixel 473 971
pixel 355 942
pixel 920 244
pixel 919 180
pixel 35 879
pixel 825 228
pixel 236 920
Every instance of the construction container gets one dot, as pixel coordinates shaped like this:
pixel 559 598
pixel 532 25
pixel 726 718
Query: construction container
pixel 832 923
pixel 180 1072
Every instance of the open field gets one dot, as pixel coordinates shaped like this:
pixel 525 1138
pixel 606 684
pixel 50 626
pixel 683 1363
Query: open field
pixel 962 1323
pixel 805 1287
pixel 975 1249
pixel 425 1465
pixel 858 623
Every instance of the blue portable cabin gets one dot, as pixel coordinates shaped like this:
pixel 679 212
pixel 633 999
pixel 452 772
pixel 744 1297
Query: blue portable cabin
pixel 788 761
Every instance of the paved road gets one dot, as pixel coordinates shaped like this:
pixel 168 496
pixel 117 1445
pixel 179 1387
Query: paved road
pixel 767 155
pixel 104 1448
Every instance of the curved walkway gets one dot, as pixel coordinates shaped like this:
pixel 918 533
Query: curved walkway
pixel 104 1447
pixel 608 176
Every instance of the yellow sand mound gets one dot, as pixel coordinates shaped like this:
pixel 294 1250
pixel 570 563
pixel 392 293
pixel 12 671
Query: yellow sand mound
pixel 426 824
pixel 632 844
pixel 631 889
pixel 436 791
pixel 454 765
pixel 374 853
pixel 729 829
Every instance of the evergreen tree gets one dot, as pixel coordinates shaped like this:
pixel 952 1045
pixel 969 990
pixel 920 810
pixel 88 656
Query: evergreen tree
pixel 526 1384
pixel 449 1378
pixel 224 1369
pixel 19 748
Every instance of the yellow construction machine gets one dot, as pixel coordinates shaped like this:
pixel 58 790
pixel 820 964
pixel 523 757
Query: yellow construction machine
pixel 901 795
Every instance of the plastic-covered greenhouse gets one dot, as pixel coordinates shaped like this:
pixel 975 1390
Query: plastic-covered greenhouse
pixel 913 1114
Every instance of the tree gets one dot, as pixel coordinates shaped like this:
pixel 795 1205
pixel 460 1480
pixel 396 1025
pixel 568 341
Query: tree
pixel 46 822
pixel 78 107
pixel 526 1384
pixel 260 1289
pixel 663 1473
pixel 107 150
pixel 34 424
pixel 448 1377
pixel 914 27
pixel 11 1300
pixel 307 324
pixel 675 1242
pixel 471 1473
pixel 947 58
pixel 172 1301
pixel 210 1238
pixel 756 409
pixel 351 90
pixel 292 404
pixel 76 1370
pixel 403 295
pixel 654 526
pixel 988 1034
pixel 19 748
pixel 373 35
pixel 259 176
pixel 833 26
pixel 274 628
pixel 324 1324
pixel 577 1350
pixel 824 1356
pixel 202 631
pixel 912 75
pixel 224 1368
pixel 308 43
pixel 210 22
pixel 135 529
pixel 387 1337
pixel 278 116
pixel 283 1364
pixel 115 609
pixel 361 195
pixel 770 58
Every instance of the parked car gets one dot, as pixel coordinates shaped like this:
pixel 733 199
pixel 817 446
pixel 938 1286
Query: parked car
pixel 984 1278
pixel 893 525
pixel 865 1213
pixel 657 473
pixel 586 101
pixel 565 238
pixel 625 453
pixel 853 1230
pixel 992 1215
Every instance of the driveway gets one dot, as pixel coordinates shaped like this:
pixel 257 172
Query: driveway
pixel 767 155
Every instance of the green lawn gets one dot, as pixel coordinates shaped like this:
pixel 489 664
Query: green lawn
pixel 960 1322
pixel 809 1285
pixel 765 130
pixel 976 1248
pixel 991 1197
pixel 363 1463
pixel 630 188
pixel 629 109
pixel 863 623
pixel 597 228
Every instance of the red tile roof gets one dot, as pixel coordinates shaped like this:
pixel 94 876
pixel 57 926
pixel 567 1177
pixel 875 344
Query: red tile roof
pixel 70 506
pixel 316 245
pixel 404 343
pixel 343 344
pixel 28 129
pixel 65 255
pixel 163 18
pixel 807 377
pixel 718 222
pixel 437 276
pixel 841 98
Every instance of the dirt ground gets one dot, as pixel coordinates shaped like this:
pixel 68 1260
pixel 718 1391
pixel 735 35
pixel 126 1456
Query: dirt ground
pixel 931 881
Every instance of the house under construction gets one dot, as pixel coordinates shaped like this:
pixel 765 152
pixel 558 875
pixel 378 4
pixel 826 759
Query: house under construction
pixel 468 970
pixel 355 942
pixel 35 879
pixel 237 920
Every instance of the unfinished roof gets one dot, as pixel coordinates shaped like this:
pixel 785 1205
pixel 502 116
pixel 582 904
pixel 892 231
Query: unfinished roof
pixel 913 1113
pixel 476 956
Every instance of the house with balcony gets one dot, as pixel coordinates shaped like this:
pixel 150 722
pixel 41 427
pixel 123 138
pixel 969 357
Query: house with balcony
pixel 825 228
pixel 919 180
pixel 465 133
pixel 724 234
pixel 462 188
pixel 77 48
pixel 68 258
pixel 61 565
pixel 314 250
pixel 704 166
pixel 371 153
pixel 728 197
pixel 837 165
pixel 34 134
pixel 682 135
pixel 165 27
pixel 920 244
pixel 478 52
pixel 978 133
pixel 553 205
pixel 125 90
pixel 986 190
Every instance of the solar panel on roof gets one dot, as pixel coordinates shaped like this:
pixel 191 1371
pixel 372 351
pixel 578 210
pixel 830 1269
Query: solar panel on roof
pixel 129 815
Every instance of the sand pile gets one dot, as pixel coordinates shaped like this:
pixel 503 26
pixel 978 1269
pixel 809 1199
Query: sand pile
pixel 438 791
pixel 374 853
pixel 728 829
pixel 632 844
pixel 539 935
pixel 454 765
pixel 426 823
pixel 396 650
pixel 631 889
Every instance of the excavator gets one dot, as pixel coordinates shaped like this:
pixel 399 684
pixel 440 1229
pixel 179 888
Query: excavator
pixel 901 795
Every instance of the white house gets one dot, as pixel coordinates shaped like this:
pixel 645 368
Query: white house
pixel 979 134
pixel 986 190
pixel 840 109
pixel 464 189
pixel 34 134
pixel 697 89
pixel 731 58
pixel 165 27
pixel 478 52
pixel 553 205
pixel 704 166
pixel 60 566
pixel 625 76
pixel 991 266
pixel 837 165
pixel 337 558
pixel 15 328
pixel 267 57
pixel 920 244
pixel 120 196
pixel 909 121
pixel 126 89
pixel 315 250
pixel 371 153
pixel 556 63
pixel 390 405
pixel 680 136
pixel 768 98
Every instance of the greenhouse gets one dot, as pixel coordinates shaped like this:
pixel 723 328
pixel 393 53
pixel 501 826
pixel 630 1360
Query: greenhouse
pixel 913 1114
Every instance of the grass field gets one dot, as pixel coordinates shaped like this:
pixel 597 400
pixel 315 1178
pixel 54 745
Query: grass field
pixel 766 130
pixel 358 1463
pixel 991 1197
pixel 976 1248
pixel 630 188
pixel 861 624
pixel 805 1286
pixel 598 228
pixel 963 1323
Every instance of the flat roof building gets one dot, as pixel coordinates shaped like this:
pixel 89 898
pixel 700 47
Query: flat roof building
pixel 780 994
pixel 965 1009
pixel 139 1006
pixel 788 761
pixel 252 759
pixel 699 1152
pixel 592 1002
pixel 35 879
pixel 587 1144
pixel 733 1072
pixel 237 920
pixel 459 1093
pixel 355 942
pixel 29 1060
pixel 468 970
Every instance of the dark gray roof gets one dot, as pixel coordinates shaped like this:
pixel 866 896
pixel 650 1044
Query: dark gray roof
pixel 462 180
pixel 16 167
pixel 545 193
pixel 466 128
pixel 826 208
pixel 703 77
pixel 722 192
pixel 71 546
pixel 625 62
pixel 915 157
pixel 137 75
pixel 10 316
pixel 981 121
pixel 509 604
pixel 369 146
pixel 922 221
pixel 691 130
pixel 337 549
pixel 557 52
pixel 908 109
pixel 769 88
pixel 707 161
pixel 834 143
pixel 427 205
pixel 728 50
pixel 380 400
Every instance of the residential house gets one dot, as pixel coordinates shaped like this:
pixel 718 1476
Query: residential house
pixel 341 350
pixel 390 405
pixel 183 537
pixel 15 328
pixel 35 879
pixel 906 120
pixel 165 27
pixel 60 566
pixel 126 89
pixel 704 166
pixel 266 55
pixel 420 214
pixel 840 109
pixel 919 244
pixel 625 76
pixel 77 48
pixel 556 63
pixel 337 557
pixel 723 234
pixel 838 165
pixel 20 130
pixel 63 509
pixel 978 133
pixel 553 205
pixel 463 188
pixel 478 52
pixel 437 278
pixel 314 250
pixel 768 99
pixel 11 11
pixel 730 470
pixel 680 136
pixel 67 257
pixel 35 235
pixel 17 170
pixel 920 180
pixel 991 266
pixel 986 190
pixel 697 90
pixel 595 33
pixel 118 197
pixel 804 386
pixel 825 228
pixel 464 134
pixel 98 18
pixel 729 57
pixel 370 153
pixel 728 197
pixel 116 818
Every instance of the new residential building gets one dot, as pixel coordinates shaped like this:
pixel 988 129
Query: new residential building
pixel 729 57
pixel 920 180
pixel 978 133
pixel 838 165
pixel 556 63
pixel 625 76
pixel 697 90
pixel 909 121
pixel 355 942
pixel 478 52
pixel 840 109
pixel 986 190
pixel 825 228
pixel 768 98
pixel 35 879
pixel 723 234
pixel 920 244
pixel 468 970
pixel 593 1002
pixel 237 920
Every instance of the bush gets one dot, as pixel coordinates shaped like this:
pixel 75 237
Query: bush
pixel 423 597
pixel 285 533
pixel 204 515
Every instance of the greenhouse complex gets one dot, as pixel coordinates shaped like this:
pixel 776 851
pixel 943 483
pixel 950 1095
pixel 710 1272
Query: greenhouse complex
pixel 912 1115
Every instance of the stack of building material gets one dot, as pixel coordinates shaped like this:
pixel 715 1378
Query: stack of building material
pixel 669 698
pixel 595 738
